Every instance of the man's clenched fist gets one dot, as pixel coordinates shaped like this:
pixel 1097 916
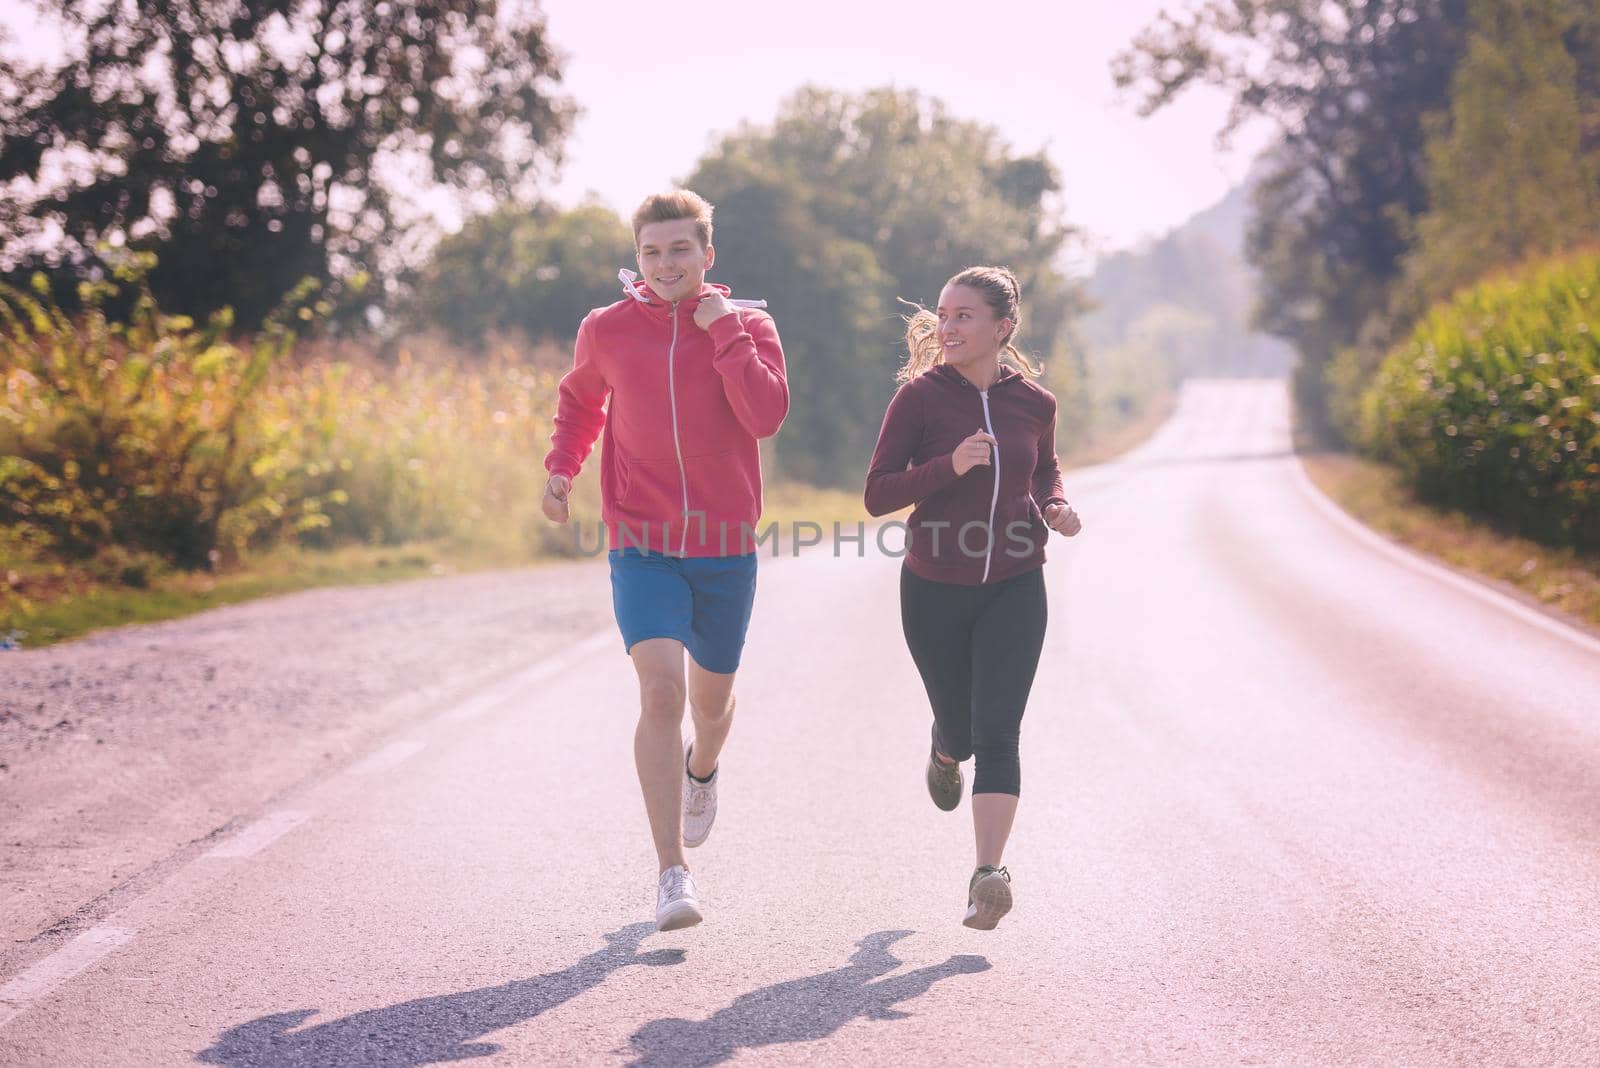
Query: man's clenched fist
pixel 554 504
pixel 712 306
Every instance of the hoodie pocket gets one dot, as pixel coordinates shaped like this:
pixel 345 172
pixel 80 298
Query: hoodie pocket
pixel 650 489
pixel 720 484
pixel 1023 529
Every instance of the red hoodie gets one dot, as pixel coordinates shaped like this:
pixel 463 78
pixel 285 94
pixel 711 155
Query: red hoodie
pixel 680 471
pixel 1002 502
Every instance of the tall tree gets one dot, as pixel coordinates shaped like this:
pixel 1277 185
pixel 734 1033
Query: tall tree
pixel 1348 82
pixel 849 200
pixel 535 270
pixel 247 143
pixel 832 301
pixel 1508 173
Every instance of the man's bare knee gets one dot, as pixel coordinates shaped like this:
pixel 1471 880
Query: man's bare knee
pixel 661 700
pixel 710 711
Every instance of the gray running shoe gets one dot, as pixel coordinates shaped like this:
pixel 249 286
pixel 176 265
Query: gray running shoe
pixel 699 803
pixel 944 782
pixel 677 905
pixel 988 897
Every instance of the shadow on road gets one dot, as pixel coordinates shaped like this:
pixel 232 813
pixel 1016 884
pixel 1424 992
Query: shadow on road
pixel 428 1030
pixel 800 1010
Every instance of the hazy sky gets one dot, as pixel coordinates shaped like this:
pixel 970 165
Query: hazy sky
pixel 657 90
pixel 659 84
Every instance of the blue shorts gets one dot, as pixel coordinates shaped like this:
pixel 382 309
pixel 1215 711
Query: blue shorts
pixel 704 602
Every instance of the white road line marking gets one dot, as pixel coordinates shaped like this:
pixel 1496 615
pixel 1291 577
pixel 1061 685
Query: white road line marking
pixel 58 967
pixel 1411 559
pixel 97 942
pixel 472 709
pixel 552 665
pixel 391 755
pixel 518 684
pixel 260 834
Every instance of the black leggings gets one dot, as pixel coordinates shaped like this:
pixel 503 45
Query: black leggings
pixel 977 648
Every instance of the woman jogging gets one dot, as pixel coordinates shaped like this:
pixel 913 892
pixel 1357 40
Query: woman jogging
pixel 970 440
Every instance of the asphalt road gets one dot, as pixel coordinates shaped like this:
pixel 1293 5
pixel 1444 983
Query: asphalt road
pixel 1288 796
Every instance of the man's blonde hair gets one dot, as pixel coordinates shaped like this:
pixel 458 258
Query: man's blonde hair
pixel 678 204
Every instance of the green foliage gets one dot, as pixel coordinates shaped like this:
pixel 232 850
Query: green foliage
pixel 829 295
pixel 1351 83
pixel 1508 174
pixel 126 448
pixel 850 200
pixel 428 446
pixel 140 435
pixel 1493 404
pixel 535 271
pixel 246 143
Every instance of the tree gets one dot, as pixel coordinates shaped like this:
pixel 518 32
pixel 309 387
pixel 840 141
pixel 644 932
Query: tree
pixel 850 200
pixel 248 143
pixel 1349 83
pixel 536 271
pixel 1508 174
pixel 830 297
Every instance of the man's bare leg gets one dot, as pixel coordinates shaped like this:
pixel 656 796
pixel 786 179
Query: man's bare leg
pixel 711 708
pixel 658 743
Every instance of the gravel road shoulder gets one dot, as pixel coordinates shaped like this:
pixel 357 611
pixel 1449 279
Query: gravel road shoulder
pixel 121 748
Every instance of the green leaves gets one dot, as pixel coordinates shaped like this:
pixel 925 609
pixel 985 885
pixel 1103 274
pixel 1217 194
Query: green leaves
pixel 231 156
pixel 139 434
pixel 1350 83
pixel 1509 175
pixel 535 271
pixel 850 200
pixel 1493 404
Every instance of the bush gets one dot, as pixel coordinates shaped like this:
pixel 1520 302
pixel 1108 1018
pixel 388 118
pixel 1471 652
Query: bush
pixel 142 435
pixel 1493 404
pixel 128 448
pixel 437 445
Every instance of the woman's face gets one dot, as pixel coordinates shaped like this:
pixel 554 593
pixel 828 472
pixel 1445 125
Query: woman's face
pixel 969 333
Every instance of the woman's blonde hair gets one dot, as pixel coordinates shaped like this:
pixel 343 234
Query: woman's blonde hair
pixel 1000 290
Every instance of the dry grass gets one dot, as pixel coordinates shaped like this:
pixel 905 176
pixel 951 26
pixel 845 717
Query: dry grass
pixel 45 604
pixel 1122 437
pixel 1374 494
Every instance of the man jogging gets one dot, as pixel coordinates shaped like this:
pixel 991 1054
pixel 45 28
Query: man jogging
pixel 693 382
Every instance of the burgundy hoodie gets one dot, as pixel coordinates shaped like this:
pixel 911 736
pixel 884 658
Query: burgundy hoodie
pixel 950 528
pixel 681 409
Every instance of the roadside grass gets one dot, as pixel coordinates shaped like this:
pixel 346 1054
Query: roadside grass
pixel 1374 494
pixel 1121 436
pixel 45 604
pixel 42 604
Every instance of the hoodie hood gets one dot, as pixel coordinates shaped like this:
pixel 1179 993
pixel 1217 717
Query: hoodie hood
pixel 948 373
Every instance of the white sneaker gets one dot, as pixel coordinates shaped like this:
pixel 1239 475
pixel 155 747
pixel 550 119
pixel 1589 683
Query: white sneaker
pixel 676 903
pixel 699 804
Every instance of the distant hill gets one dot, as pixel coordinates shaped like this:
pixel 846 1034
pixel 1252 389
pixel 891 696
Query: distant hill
pixel 1179 308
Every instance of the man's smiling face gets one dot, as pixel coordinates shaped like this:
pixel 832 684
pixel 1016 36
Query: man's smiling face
pixel 672 260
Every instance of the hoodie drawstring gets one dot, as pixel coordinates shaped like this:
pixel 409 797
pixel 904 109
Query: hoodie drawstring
pixel 630 287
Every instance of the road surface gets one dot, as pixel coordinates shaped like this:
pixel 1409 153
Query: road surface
pixel 1288 796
